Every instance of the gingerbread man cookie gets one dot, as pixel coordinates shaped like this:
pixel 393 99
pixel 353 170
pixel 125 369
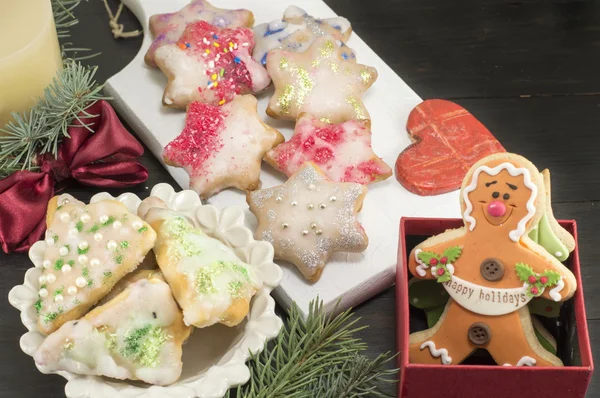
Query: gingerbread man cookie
pixel 167 28
pixel 342 151
pixel 491 270
pixel 309 218
pixel 297 31
pixel 318 81
pixel 222 146
pixel 210 65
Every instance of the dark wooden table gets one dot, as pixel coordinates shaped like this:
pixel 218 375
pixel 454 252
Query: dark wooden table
pixel 529 70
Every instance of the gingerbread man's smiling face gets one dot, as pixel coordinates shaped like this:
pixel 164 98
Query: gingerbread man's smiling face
pixel 503 195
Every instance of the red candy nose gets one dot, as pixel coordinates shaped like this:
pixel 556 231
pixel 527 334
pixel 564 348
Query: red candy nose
pixel 496 209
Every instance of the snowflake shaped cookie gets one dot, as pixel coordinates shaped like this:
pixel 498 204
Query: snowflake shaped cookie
pixel 222 147
pixel 297 31
pixel 318 81
pixel 167 28
pixel 210 65
pixel 342 151
pixel 309 218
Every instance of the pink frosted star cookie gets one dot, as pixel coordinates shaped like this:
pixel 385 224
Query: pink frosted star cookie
pixel 309 218
pixel 342 151
pixel 167 28
pixel 210 65
pixel 222 147
pixel 318 81
pixel 297 31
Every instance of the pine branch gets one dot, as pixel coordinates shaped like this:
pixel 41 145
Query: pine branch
pixel 63 16
pixel 41 129
pixel 319 354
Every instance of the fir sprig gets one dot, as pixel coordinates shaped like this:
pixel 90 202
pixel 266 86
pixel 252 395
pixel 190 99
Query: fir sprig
pixel 316 357
pixel 63 16
pixel 41 129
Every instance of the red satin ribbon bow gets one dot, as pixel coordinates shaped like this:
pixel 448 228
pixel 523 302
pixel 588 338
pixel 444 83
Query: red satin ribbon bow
pixel 103 159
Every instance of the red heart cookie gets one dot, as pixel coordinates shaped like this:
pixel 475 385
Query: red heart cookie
pixel 448 140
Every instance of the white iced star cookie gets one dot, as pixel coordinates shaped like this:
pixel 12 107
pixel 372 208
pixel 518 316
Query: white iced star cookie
pixel 167 28
pixel 309 218
pixel 137 335
pixel 210 65
pixel 297 31
pixel 318 81
pixel 222 146
pixel 89 249
pixel 343 151
pixel 210 283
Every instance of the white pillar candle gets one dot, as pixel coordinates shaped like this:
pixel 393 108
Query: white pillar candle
pixel 29 54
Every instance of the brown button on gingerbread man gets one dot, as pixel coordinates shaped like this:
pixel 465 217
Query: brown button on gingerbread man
pixel 491 270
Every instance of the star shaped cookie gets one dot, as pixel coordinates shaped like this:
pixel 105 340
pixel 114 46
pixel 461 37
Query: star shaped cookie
pixel 167 28
pixel 222 146
pixel 309 218
pixel 297 31
pixel 318 81
pixel 210 65
pixel 342 151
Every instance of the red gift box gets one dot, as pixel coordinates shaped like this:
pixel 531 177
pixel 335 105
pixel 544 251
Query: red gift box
pixel 477 381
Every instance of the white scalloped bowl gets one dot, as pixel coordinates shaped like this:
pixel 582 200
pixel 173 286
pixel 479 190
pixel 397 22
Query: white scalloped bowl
pixel 214 358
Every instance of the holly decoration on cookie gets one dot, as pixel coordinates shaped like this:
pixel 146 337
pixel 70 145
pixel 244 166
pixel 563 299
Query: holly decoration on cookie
pixel 536 283
pixel 441 265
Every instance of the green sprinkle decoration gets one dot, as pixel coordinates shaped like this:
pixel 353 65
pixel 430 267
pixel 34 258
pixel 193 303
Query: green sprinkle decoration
pixel 90 283
pixel 108 222
pixel 58 291
pixel 119 259
pixel 38 306
pixel 79 226
pixel 43 286
pixel 59 264
pixel 106 276
pixel 85 271
pixel 204 281
pixel 76 302
pixel 143 229
pixel 83 251
pixel 95 228
pixel 71 263
pixel 143 345
pixel 59 207
pixel 49 317
pixel 235 289
pixel 124 244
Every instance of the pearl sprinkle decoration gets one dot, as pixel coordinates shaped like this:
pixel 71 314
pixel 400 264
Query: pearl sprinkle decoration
pixel 47 264
pixel 65 217
pixel 50 278
pixel 83 245
pixel 95 262
pixel 72 290
pixel 80 282
pixel 63 251
pixel 43 293
pixel 103 219
pixel 59 298
pixel 98 237
pixel 111 245
pixel 85 218
pixel 66 269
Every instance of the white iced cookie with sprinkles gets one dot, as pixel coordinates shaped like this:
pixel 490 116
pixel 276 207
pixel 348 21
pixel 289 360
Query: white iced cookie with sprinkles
pixel 318 81
pixel 309 218
pixel 86 256
pixel 137 335
pixel 210 283
pixel 297 31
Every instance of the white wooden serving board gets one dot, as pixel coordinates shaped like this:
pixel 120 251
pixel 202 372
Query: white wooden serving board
pixel 353 278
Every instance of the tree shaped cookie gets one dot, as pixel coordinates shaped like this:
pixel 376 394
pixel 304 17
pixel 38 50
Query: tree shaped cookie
pixel 548 233
pixel 210 283
pixel 342 151
pixel 318 81
pixel 222 147
pixel 137 335
pixel 167 28
pixel 491 270
pixel 89 248
pixel 297 31
pixel 210 65
pixel 309 218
